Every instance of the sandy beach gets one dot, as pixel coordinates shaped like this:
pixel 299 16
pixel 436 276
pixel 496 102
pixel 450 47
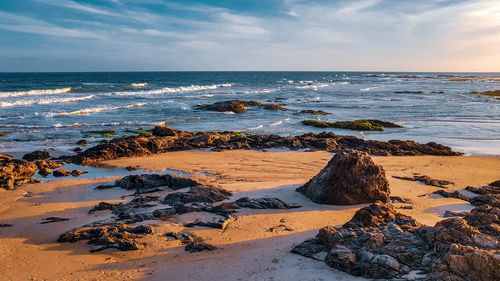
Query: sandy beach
pixel 255 246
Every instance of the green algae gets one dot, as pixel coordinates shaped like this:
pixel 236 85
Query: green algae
pixel 360 125
pixel 495 93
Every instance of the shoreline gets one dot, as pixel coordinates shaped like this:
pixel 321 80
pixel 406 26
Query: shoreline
pixel 260 253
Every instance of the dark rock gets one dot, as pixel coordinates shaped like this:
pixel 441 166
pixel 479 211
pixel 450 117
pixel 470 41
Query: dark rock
pixel 131 168
pixel 217 221
pixel 193 243
pixel 53 219
pixel 450 214
pixel 427 180
pixel 45 172
pixel 15 172
pixel 349 178
pixel 314 112
pixel 488 199
pixel 235 106
pixel 61 173
pixel 378 242
pixel 5 157
pixel 264 203
pixel 197 194
pixel 49 164
pixel 397 199
pixel 279 228
pixel 363 124
pixel 133 146
pixel 6 225
pixel 145 183
pixel 454 194
pixel 36 155
pixel 82 142
pixel 495 183
pixel 274 107
pixel 118 236
pixel 77 149
pixel 76 173
pixel 163 131
pixel 408 92
pixel 488 189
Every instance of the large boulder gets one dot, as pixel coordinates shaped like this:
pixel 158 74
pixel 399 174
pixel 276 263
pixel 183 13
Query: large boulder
pixel 14 172
pixel 36 155
pixel 350 178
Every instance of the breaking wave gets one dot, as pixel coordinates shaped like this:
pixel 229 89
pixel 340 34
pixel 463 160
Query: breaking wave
pixel 43 101
pixel 35 93
pixel 94 110
pixel 166 90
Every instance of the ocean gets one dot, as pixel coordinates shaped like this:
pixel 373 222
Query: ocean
pixel 54 110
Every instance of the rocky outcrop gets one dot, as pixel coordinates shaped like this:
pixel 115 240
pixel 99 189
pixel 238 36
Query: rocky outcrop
pixel 36 155
pixel 193 243
pixel 349 178
pixel 133 146
pixel 314 112
pixel 118 236
pixel 360 125
pixel 426 180
pixel 61 173
pixel 379 242
pixel 264 203
pixel 238 106
pixel 146 183
pixel 15 172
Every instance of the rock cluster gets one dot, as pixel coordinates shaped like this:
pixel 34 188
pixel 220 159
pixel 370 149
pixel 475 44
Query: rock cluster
pixel 426 180
pixel 162 140
pixel 378 242
pixel 15 172
pixel 36 155
pixel 360 125
pixel 192 242
pixel 349 178
pixel 238 106
pixel 115 235
pixel 146 183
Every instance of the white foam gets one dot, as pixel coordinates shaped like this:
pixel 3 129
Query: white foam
pixel 44 101
pixel 35 92
pixel 263 91
pixel 368 89
pixel 314 87
pixel 94 110
pixel 136 85
pixel 255 128
pixel 166 90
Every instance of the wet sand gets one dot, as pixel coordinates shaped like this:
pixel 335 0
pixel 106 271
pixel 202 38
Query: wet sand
pixel 246 249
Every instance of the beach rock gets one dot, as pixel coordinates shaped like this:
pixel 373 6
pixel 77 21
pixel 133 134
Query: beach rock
pixel 76 173
pixel 454 194
pixel 488 199
pixel 264 203
pixel 118 236
pixel 145 183
pixel 450 214
pixel 2 134
pixel 362 125
pixel 53 219
pixel 49 164
pixel 349 178
pixel 314 112
pixel 236 106
pixel 61 173
pixel 197 194
pixel 193 243
pixel 163 131
pixel 487 189
pixel 133 146
pixel 378 242
pixel 131 168
pixel 36 155
pixel 426 180
pixel 495 183
pixel 82 142
pixel 45 172
pixel 268 106
pixel 15 172
pixel 5 157
pixel 219 222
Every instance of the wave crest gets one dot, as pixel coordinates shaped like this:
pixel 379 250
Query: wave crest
pixel 35 93
pixel 95 109
pixel 166 90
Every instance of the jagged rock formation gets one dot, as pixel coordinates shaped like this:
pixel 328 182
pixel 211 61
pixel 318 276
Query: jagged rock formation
pixel 15 172
pixel 426 180
pixel 378 242
pixel 349 178
pixel 36 155
pixel 146 145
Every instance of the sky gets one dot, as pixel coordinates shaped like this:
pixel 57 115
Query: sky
pixel 235 35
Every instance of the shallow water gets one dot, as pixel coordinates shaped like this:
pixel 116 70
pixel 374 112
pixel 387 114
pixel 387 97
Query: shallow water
pixel 57 109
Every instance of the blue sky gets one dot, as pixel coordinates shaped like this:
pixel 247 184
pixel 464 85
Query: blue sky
pixel 124 35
